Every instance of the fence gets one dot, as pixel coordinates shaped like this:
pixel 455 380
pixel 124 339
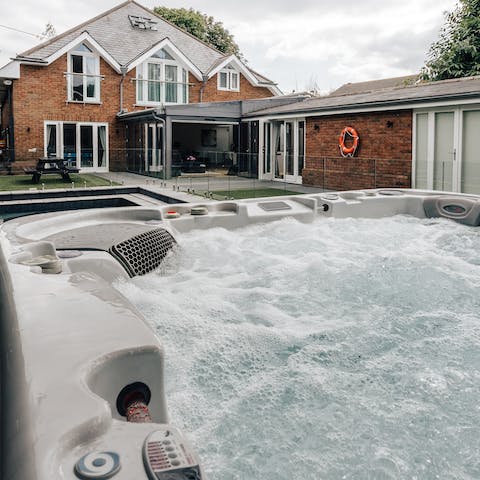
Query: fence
pixel 228 171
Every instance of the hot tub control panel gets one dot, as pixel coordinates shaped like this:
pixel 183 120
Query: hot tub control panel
pixel 167 456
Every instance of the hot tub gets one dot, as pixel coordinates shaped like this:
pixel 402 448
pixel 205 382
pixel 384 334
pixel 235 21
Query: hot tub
pixel 316 336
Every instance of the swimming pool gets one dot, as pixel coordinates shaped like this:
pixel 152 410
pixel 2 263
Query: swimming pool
pixel 344 348
pixel 316 336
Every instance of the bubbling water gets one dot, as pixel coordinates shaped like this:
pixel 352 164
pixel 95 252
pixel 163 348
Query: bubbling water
pixel 342 349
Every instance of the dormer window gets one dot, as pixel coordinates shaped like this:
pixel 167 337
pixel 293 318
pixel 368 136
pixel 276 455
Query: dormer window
pixel 229 79
pixel 83 76
pixel 161 79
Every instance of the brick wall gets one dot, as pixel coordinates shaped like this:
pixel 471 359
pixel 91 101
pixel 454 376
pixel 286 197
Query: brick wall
pixel 41 94
pixel 211 94
pixel 383 158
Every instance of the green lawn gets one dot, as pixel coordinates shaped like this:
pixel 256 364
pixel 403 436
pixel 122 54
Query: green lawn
pixel 24 182
pixel 252 193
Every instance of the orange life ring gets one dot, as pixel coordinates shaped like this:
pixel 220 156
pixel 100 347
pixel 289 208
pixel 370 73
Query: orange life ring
pixel 344 150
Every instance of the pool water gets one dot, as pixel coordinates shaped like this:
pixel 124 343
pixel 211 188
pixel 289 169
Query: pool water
pixel 342 349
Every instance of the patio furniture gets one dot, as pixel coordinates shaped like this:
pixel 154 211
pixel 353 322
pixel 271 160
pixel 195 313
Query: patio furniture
pixel 47 166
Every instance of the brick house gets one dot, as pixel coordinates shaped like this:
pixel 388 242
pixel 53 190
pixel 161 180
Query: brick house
pixel 64 97
pixel 421 135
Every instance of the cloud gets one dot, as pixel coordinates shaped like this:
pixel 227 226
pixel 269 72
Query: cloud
pixel 336 42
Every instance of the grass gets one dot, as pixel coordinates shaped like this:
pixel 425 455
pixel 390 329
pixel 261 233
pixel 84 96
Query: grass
pixel 253 193
pixel 24 182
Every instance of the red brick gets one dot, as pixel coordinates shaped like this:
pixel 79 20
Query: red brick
pixel 383 157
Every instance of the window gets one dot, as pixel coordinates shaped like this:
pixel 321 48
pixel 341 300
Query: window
pixel 82 144
pixel 161 80
pixel 83 76
pixel 229 79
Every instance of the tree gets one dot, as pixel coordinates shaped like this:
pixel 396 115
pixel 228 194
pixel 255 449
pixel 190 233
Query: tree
pixel 203 27
pixel 49 31
pixel 457 52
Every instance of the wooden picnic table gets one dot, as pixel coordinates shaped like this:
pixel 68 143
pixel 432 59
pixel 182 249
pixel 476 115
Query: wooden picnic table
pixel 48 165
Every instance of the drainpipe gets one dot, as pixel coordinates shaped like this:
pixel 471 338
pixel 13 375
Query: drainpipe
pixel 164 149
pixel 123 71
pixel 11 136
pixel 202 88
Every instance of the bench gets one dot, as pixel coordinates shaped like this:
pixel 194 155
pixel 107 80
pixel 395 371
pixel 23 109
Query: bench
pixel 46 166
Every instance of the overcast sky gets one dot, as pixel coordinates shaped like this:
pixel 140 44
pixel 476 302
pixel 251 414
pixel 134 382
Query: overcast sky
pixel 295 43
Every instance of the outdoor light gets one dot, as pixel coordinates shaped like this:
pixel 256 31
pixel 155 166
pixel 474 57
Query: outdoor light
pixel 316 127
pixel 389 124
pixel 7 82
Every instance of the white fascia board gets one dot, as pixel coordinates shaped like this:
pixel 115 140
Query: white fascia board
pixel 85 37
pixel 176 53
pixel 273 88
pixel 416 107
pixel 11 70
pixel 232 59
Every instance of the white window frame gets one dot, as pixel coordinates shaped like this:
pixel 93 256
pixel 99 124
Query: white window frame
pixel 70 75
pixel 457 143
pixel 60 145
pixel 142 82
pixel 230 72
pixel 267 128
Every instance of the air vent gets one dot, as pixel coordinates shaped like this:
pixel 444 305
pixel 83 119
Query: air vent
pixel 145 252
pixel 142 23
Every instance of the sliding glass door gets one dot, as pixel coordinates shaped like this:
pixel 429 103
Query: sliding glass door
pixel 82 145
pixel 153 147
pixel 445 150
pixel 284 148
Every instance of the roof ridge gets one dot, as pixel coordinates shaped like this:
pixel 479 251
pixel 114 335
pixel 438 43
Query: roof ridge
pixel 73 29
pixel 181 29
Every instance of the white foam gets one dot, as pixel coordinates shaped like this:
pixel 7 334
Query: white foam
pixel 339 349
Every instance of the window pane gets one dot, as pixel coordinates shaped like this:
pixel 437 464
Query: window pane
pixel 234 81
pixel 70 143
pixel 91 65
pixel 102 145
pixel 289 147
pixel 171 85
pixel 421 146
pixel 140 86
pixel 443 162
pixel 82 48
pixel 470 161
pixel 77 64
pixel 154 87
pixel 77 87
pixel 267 137
pixel 162 54
pixel 91 83
pixel 184 86
pixel 223 79
pixel 51 140
pixel 86 146
pixel 301 146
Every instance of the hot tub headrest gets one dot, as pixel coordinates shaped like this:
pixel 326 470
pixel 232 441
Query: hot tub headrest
pixel 461 209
